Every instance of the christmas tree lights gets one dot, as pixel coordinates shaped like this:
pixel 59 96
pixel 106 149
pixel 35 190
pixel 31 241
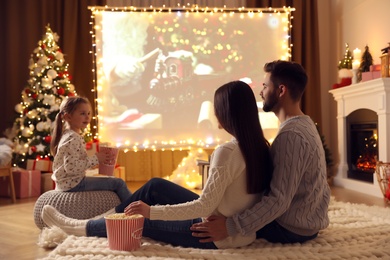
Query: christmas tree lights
pixel 49 84
pixel 211 42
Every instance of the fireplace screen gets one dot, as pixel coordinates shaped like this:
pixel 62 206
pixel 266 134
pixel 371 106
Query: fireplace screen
pixel 362 150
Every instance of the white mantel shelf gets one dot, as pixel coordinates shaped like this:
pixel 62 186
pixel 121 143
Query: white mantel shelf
pixel 373 95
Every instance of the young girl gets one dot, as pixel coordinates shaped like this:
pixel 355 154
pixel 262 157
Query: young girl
pixel 70 156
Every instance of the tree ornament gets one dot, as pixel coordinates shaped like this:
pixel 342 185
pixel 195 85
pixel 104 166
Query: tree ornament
pixel 26 132
pixel 19 108
pixel 40 126
pixel 31 114
pixel 60 91
pixel 52 73
pixel 47 139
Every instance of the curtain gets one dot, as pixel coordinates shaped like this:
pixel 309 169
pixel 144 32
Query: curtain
pixel 305 50
pixel 22 25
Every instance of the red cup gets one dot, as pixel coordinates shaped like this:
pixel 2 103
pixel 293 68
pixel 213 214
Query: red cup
pixel 124 233
pixel 107 167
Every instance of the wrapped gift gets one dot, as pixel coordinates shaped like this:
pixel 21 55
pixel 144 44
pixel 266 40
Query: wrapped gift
pixel 4 186
pixel 119 172
pixel 369 75
pixel 27 183
pixel 92 147
pixel 46 182
pixel 374 73
pixel 43 165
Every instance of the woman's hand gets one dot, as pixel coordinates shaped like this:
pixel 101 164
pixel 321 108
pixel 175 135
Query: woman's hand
pixel 138 207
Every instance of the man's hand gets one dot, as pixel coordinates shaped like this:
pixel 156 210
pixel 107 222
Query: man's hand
pixel 213 229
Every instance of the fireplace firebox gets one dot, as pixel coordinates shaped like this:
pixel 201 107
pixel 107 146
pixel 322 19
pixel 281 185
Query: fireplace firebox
pixel 362 148
pixel 362 151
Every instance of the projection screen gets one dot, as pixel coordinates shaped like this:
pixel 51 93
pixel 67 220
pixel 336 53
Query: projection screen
pixel 157 70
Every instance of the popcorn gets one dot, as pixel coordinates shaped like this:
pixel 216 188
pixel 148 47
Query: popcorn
pixel 123 216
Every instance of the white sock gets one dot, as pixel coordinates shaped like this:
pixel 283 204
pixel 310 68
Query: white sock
pixel 71 226
pixel 111 211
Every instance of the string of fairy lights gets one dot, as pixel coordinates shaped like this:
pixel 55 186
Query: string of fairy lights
pixel 185 10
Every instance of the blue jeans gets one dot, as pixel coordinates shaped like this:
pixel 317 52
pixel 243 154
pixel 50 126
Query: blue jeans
pixel 275 233
pixel 117 185
pixel 162 192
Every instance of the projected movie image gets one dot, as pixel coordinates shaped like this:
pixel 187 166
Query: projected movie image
pixel 157 72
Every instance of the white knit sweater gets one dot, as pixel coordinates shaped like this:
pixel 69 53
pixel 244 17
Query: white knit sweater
pixel 224 194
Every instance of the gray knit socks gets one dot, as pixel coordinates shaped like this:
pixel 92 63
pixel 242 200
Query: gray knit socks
pixel 71 226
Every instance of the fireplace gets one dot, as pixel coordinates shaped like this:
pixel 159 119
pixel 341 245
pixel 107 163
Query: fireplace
pixel 363 119
pixel 362 145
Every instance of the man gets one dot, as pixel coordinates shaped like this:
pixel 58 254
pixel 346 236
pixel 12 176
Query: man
pixel 296 207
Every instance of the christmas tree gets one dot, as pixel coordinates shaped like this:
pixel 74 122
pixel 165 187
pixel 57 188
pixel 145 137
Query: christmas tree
pixel 346 62
pixel 48 85
pixel 366 62
pixel 187 172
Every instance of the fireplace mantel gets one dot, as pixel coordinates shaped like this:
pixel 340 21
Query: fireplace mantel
pixel 373 95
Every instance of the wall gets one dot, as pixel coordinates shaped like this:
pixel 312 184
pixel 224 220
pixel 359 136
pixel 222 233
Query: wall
pixel 144 165
pixel 358 23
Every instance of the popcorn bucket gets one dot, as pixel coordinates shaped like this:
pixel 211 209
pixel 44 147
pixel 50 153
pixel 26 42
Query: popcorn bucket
pixel 107 167
pixel 124 232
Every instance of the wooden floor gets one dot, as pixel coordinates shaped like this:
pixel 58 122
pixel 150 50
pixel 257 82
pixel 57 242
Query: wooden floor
pixel 19 235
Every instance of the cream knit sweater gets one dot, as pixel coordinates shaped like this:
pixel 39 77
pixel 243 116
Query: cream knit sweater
pixel 224 194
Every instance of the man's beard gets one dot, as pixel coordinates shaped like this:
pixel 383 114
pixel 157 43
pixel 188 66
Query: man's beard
pixel 270 103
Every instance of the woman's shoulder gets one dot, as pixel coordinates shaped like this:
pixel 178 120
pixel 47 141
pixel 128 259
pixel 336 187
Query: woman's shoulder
pixel 231 145
pixel 228 148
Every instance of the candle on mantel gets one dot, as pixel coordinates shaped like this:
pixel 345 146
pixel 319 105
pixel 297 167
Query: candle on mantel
pixel 355 64
pixel 357 54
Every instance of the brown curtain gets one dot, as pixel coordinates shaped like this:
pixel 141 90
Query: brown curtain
pixel 305 50
pixel 23 25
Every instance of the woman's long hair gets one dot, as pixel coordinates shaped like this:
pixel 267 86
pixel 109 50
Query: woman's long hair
pixel 68 106
pixel 236 110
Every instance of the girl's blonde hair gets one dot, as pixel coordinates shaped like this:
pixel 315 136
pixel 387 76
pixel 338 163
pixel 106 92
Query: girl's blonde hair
pixel 68 106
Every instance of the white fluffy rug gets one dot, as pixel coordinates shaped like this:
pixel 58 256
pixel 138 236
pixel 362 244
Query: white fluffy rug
pixel 356 232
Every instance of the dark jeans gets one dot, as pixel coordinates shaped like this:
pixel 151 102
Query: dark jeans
pixel 159 192
pixel 275 233
pixel 162 192
pixel 117 185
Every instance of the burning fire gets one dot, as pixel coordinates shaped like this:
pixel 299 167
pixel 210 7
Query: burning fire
pixel 366 162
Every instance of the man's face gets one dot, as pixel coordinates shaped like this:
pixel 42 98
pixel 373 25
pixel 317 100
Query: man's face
pixel 269 94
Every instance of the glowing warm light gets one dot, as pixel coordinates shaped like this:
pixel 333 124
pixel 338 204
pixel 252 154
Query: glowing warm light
pixel 180 11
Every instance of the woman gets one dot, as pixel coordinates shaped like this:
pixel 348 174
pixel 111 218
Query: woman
pixel 239 175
